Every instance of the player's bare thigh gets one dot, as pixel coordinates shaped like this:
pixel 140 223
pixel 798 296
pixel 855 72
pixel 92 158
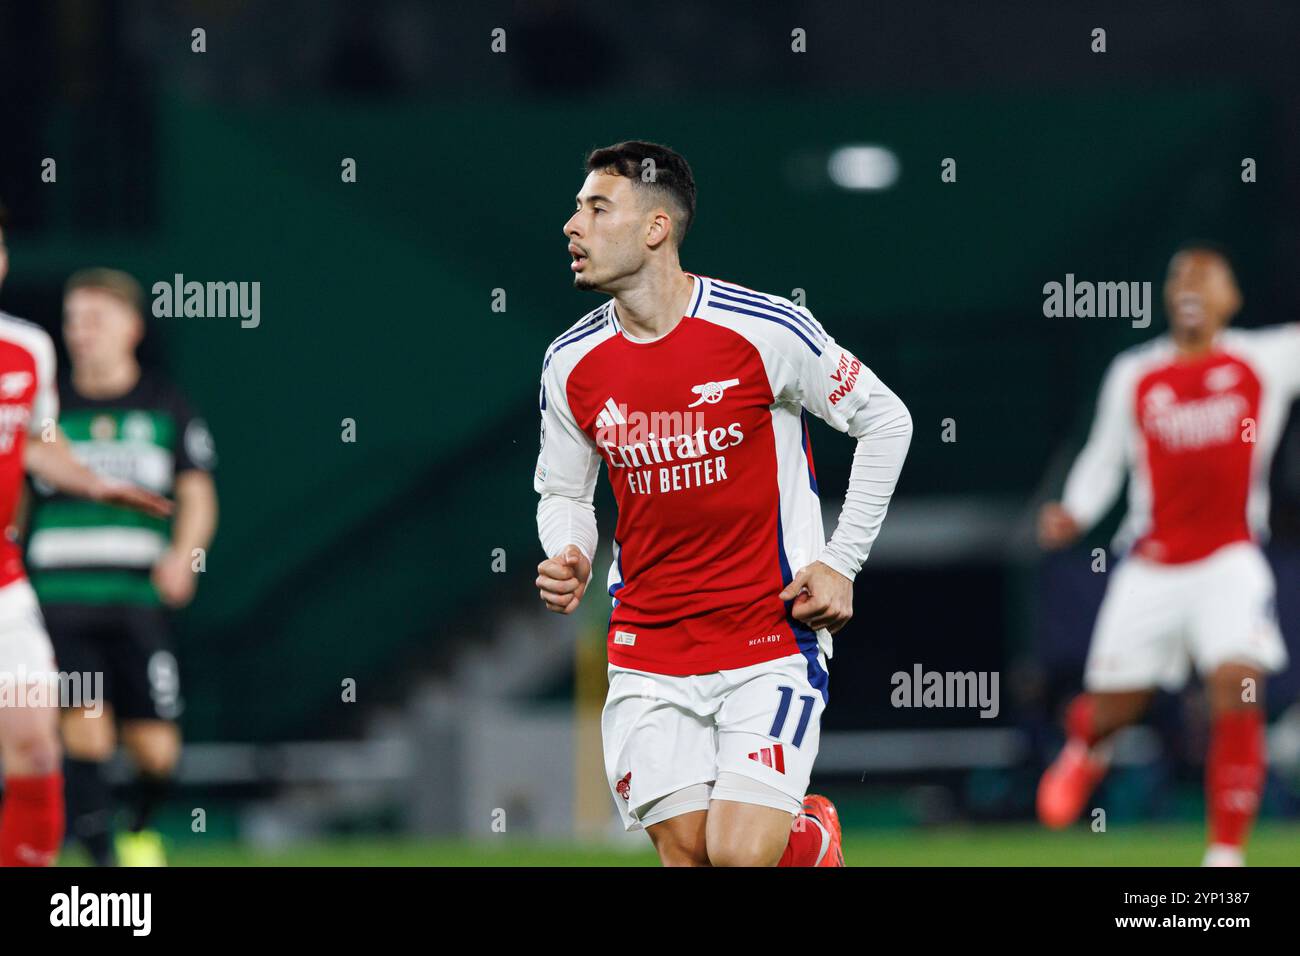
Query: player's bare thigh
pixel 680 840
pixel 729 833
pixel 746 834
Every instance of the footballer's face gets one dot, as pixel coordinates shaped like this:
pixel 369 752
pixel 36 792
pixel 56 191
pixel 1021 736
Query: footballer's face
pixel 607 232
pixel 99 328
pixel 4 258
pixel 1201 293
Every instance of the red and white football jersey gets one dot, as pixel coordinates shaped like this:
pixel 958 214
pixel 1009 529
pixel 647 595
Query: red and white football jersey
pixel 703 435
pixel 28 398
pixel 1196 436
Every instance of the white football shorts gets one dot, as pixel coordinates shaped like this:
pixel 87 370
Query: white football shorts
pixel 663 734
pixel 1157 619
pixel 26 654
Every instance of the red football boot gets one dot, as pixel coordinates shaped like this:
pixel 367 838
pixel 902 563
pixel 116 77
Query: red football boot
pixel 824 812
pixel 1069 782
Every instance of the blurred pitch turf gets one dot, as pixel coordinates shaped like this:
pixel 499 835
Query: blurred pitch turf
pixel 1274 844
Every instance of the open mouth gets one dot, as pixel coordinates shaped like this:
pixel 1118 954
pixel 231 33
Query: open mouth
pixel 1188 305
pixel 579 260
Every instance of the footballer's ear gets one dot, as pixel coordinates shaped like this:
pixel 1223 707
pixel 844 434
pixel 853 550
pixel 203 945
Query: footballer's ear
pixel 1234 296
pixel 659 227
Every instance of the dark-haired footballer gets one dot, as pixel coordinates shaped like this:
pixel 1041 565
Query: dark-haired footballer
pixel 693 392
pixel 107 577
pixel 1192 418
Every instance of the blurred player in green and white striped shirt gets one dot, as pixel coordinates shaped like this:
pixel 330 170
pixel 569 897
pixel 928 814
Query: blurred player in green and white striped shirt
pixel 107 577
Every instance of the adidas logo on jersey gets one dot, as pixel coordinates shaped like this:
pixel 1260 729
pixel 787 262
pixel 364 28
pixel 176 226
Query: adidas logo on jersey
pixel 611 415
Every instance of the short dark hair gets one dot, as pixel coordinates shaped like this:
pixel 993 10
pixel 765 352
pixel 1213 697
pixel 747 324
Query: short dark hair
pixel 672 174
pixel 115 282
pixel 1207 245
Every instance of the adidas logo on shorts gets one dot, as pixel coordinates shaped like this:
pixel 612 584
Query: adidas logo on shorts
pixel 773 757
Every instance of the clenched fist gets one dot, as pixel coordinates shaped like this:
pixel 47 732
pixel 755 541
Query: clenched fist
pixel 822 597
pixel 562 580
pixel 1056 526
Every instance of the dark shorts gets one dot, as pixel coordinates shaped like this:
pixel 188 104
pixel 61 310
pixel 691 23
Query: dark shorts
pixel 130 646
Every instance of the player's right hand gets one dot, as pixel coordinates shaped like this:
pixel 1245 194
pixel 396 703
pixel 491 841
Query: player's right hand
pixel 562 580
pixel 1056 526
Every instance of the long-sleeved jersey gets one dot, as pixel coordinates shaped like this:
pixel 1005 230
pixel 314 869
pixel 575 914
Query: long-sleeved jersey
pixel 704 436
pixel 1196 437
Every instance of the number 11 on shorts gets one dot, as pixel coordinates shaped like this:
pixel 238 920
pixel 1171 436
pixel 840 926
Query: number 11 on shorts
pixel 783 710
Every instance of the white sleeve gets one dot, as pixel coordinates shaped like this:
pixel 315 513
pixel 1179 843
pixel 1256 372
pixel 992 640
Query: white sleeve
pixel 1098 473
pixel 837 388
pixel 567 466
pixel 45 403
pixel 1281 355
pixel 564 521
pixel 883 428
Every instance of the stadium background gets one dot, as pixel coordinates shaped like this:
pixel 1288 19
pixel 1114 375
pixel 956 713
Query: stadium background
pixel 378 561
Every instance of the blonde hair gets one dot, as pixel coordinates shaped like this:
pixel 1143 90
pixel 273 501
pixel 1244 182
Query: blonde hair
pixel 115 282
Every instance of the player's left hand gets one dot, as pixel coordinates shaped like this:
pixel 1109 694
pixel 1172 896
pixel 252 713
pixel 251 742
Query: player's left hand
pixel 174 578
pixel 822 597
pixel 126 495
